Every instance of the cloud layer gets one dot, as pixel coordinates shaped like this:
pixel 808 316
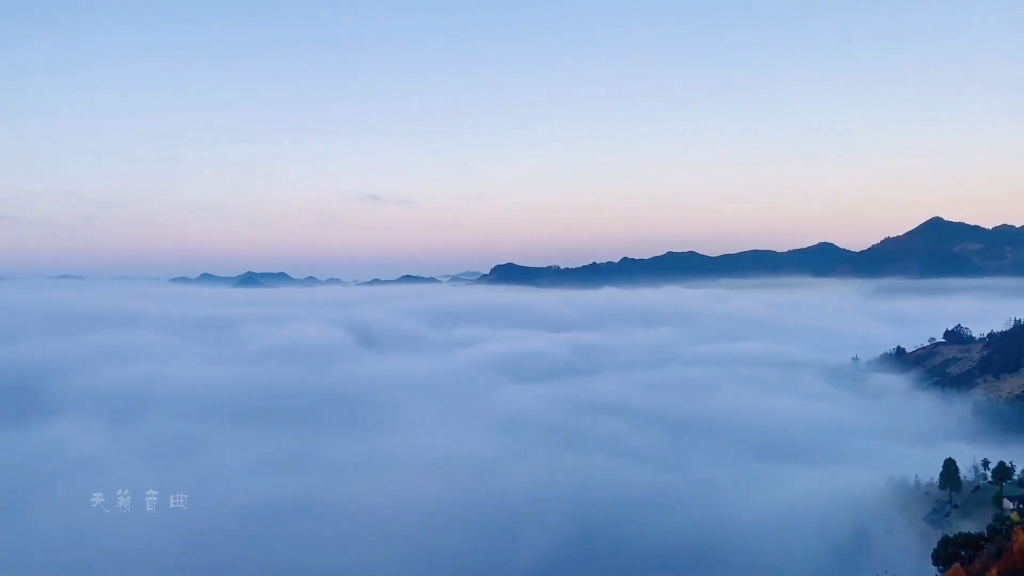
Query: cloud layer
pixel 709 429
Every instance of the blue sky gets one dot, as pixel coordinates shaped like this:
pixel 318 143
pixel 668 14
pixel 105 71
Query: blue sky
pixel 371 139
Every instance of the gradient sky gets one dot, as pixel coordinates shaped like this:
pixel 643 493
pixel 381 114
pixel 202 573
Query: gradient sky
pixel 371 139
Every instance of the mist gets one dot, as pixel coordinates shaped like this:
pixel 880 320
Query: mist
pixel 712 428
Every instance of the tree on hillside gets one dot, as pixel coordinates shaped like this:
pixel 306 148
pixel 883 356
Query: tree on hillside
pixel 932 340
pixel 1005 353
pixel 999 550
pixel 1001 474
pixel 960 548
pixel 986 466
pixel 958 335
pixel 949 478
pixel 894 357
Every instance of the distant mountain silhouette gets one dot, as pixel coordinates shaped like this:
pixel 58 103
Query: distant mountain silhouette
pixel 407 279
pixel 937 248
pixel 250 279
pixel 283 280
pixel 468 275
pixel 459 280
pixel 251 282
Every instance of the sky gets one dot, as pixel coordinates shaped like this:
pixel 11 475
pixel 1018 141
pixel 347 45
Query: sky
pixel 478 430
pixel 361 139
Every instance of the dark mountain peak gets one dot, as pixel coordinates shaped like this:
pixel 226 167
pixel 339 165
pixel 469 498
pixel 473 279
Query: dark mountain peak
pixel 465 275
pixel 821 252
pixel 824 247
pixel 406 279
pixel 935 234
pixel 278 276
pixel 942 248
pixel 936 221
pixel 268 279
pixel 250 281
pixel 670 256
pixel 505 266
pixel 939 225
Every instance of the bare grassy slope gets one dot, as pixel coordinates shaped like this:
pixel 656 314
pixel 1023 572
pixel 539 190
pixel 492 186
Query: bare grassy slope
pixel 991 366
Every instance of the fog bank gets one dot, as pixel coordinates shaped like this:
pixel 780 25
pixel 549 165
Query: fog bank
pixel 707 429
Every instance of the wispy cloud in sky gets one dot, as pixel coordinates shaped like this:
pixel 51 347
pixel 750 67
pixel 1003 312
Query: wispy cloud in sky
pixel 383 200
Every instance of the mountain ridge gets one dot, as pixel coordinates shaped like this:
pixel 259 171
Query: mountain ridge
pixel 937 248
pixel 281 279
pixel 252 279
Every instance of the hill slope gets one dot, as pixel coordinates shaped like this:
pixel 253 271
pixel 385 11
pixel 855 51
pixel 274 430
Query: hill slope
pixel 991 366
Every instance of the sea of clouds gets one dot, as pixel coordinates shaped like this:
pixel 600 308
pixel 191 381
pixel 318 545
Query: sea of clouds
pixel 709 429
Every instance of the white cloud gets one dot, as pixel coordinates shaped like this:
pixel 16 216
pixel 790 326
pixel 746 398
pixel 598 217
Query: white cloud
pixel 473 430
pixel 386 200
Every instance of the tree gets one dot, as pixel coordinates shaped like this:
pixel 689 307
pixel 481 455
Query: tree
pixel 1001 474
pixel 1004 353
pixel 986 465
pixel 894 357
pixel 932 340
pixel 1011 561
pixel 958 335
pixel 961 548
pixel 949 478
